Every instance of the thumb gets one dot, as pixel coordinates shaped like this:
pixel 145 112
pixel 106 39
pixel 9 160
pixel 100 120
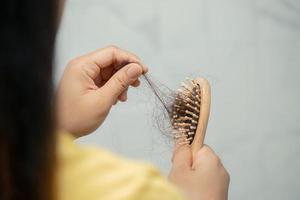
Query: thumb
pixel 121 80
pixel 182 157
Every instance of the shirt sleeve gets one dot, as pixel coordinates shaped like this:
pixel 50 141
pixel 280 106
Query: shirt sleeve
pixel 92 174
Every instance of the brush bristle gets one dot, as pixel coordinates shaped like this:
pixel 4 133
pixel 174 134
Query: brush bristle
pixel 185 111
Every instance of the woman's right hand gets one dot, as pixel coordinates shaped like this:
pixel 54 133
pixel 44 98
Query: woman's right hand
pixel 92 84
pixel 201 179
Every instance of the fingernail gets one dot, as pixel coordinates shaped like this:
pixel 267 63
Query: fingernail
pixel 134 71
pixel 145 68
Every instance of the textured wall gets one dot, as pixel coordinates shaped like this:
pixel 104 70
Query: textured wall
pixel 250 52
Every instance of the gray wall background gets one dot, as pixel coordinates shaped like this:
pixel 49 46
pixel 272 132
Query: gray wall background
pixel 250 52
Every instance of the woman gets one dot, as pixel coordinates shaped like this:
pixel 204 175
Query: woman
pixel 38 159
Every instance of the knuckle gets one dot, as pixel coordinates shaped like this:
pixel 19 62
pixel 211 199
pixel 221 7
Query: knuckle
pixel 213 159
pixel 217 160
pixel 207 151
pixel 113 48
pixel 75 62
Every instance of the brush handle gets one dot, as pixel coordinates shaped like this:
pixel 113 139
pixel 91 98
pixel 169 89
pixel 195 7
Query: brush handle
pixel 203 116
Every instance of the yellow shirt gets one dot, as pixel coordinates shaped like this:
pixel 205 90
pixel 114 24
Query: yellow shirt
pixel 89 173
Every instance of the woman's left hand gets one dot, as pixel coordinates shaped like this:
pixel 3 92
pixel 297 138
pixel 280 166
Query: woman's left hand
pixel 91 84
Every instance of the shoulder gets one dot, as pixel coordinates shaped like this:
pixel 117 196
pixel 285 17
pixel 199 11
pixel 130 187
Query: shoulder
pixel 93 173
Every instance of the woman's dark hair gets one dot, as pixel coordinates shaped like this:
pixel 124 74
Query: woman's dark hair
pixel 27 137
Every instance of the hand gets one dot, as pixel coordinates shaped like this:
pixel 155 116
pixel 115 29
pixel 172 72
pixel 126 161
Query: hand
pixel 202 179
pixel 91 84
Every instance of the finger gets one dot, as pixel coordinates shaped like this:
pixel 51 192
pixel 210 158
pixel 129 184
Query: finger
pixel 120 81
pixel 123 96
pixel 206 148
pixel 182 157
pixel 205 155
pixel 136 83
pixel 114 56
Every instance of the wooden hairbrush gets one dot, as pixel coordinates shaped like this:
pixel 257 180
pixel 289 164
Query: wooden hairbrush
pixel 190 112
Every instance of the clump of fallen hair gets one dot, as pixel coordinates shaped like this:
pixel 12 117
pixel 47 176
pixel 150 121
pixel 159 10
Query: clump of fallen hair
pixel 178 110
pixel 165 98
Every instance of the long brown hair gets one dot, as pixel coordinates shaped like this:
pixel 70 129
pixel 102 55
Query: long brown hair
pixel 27 137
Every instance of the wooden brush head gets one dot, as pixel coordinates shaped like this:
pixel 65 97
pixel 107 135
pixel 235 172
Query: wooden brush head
pixel 190 112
